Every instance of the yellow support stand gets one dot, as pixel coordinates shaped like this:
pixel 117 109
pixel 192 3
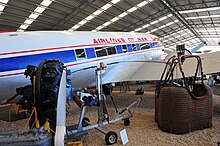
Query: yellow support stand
pixel 77 143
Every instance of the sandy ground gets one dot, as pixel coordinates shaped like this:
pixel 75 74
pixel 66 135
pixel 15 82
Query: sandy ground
pixel 143 130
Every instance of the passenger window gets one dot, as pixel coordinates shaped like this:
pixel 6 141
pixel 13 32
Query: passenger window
pixel 134 48
pixel 124 48
pixel 101 51
pixel 111 50
pixel 145 46
pixel 80 53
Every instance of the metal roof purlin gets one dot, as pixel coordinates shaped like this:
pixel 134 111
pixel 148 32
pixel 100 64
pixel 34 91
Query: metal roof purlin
pixel 180 18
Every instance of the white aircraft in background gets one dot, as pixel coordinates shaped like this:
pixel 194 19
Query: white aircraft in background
pixel 77 50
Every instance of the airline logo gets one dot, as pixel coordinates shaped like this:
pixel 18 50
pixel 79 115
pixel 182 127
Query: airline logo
pixel 121 40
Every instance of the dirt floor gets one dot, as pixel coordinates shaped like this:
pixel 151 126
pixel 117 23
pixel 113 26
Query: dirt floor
pixel 143 130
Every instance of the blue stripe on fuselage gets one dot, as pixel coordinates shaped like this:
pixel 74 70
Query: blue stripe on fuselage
pixel 21 62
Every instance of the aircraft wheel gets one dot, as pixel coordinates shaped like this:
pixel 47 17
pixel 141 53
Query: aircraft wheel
pixel 85 121
pixel 127 122
pixel 111 138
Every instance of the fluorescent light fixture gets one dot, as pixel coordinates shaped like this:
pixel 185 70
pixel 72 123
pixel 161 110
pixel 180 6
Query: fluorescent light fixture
pixel 114 19
pixel 154 22
pixel 107 23
pixel 145 26
pixel 166 36
pixel 94 30
pixel 4 1
pixel 34 16
pixel 176 21
pixel 28 21
pixel 23 26
pixel 39 9
pixel 132 9
pixel 82 22
pixel 123 14
pixel 115 1
pixel 97 12
pixel 106 6
pixel 162 26
pixel 46 2
pixel 90 17
pixel 138 29
pixel 165 41
pixel 100 27
pixel 163 18
pixel 201 17
pixel 142 4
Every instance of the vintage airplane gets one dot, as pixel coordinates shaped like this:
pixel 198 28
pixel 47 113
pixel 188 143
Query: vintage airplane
pixel 77 50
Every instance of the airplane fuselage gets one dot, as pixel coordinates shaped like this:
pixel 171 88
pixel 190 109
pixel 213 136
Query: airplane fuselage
pixel 76 50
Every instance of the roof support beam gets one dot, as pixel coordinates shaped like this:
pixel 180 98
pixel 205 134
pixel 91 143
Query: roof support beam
pixel 180 18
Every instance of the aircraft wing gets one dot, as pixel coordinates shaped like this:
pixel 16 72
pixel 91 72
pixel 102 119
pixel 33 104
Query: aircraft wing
pixel 153 71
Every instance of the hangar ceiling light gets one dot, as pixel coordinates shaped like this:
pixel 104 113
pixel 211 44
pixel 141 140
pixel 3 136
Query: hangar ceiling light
pixel 124 14
pixel 40 9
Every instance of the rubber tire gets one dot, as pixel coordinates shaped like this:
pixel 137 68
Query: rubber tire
pixel 85 121
pixel 111 138
pixel 127 122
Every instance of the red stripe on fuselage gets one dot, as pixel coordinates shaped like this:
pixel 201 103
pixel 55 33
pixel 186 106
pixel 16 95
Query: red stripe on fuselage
pixel 101 58
pixel 66 47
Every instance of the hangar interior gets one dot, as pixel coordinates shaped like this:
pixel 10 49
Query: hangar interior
pixel 194 23
pixel 175 21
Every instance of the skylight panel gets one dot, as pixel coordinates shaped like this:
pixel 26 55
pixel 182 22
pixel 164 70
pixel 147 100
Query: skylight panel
pixel 2 7
pixel 34 16
pixel 154 22
pixel 115 1
pixel 90 17
pixel 107 23
pixel 46 3
pixel 28 21
pixel 100 27
pixel 106 6
pixel 114 19
pixel 23 26
pixel 97 12
pixel 202 17
pixel 123 14
pixel 132 9
pixel 127 12
pixel 154 30
pixel 145 26
pixel 4 1
pixel 199 10
pixel 138 29
pixel 142 4
pixel 40 9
